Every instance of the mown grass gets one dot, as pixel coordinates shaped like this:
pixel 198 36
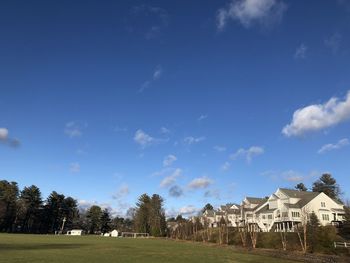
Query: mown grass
pixel 85 249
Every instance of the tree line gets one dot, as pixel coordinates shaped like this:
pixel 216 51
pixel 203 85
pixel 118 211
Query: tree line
pixel 25 211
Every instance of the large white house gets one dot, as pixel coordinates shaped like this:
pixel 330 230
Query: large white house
pixel 281 211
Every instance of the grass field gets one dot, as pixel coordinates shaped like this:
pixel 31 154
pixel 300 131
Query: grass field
pixel 45 248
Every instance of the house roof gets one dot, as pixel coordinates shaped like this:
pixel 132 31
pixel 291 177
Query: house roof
pixel 266 209
pixel 209 212
pixel 305 196
pixel 255 200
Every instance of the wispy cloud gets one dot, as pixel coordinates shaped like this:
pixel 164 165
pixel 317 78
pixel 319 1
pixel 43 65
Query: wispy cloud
pixel 201 182
pixel 144 140
pixel 5 139
pixel 120 129
pixel 212 194
pixel 164 130
pixel 226 166
pixel 142 15
pixel 330 147
pixel 300 52
pixel 171 179
pixel 249 12
pixel 193 140
pixel 219 148
pixel 169 160
pixel 121 192
pixel 74 129
pixel 188 210
pixel 290 176
pixel 248 154
pixel 74 167
pixel 333 42
pixel 176 191
pixel 202 117
pixel 157 73
pixel 318 117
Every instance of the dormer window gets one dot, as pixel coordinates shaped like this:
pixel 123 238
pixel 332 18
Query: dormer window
pixel 323 204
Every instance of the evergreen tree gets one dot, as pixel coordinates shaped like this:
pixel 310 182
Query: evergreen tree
pixel 301 187
pixel 30 201
pixel 142 214
pixel 105 221
pixel 328 185
pixel 313 231
pixel 8 202
pixel 207 207
pixel 94 219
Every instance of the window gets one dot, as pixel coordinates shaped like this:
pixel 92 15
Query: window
pixel 295 214
pixel 323 204
pixel 269 216
pixel 325 217
pixel 263 217
pixel 285 214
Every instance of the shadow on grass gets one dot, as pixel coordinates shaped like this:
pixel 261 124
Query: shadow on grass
pixel 13 247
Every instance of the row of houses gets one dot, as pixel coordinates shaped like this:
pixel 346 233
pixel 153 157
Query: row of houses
pixel 281 211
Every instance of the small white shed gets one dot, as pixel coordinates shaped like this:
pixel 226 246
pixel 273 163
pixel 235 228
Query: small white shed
pixel 75 232
pixel 114 233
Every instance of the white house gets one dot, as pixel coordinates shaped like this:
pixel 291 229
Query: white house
pixel 114 233
pixel 281 211
pixel 285 208
pixel 74 232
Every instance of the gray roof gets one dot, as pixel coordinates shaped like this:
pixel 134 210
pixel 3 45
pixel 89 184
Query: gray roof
pixel 266 209
pixel 305 196
pixel 255 200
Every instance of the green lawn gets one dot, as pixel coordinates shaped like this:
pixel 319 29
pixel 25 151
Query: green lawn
pixel 48 248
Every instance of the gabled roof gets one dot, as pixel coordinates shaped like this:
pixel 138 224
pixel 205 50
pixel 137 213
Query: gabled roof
pixel 255 200
pixel 304 196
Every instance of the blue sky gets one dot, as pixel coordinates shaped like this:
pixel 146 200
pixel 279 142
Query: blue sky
pixel 199 101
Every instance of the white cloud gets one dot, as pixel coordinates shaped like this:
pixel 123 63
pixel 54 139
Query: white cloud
pixel 292 176
pixel 219 148
pixel 74 168
pixel 5 139
pixel 4 134
pixel 333 42
pixel 73 129
pixel 122 192
pixel 248 154
pixel 226 166
pixel 192 140
pixel 330 147
pixel 157 73
pixel 300 52
pixel 318 117
pixel 188 210
pixel 249 12
pixel 164 130
pixel 144 140
pixel 202 117
pixel 169 160
pixel 201 182
pixel 171 179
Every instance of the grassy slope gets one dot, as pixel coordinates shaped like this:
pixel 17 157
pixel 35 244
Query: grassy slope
pixel 42 248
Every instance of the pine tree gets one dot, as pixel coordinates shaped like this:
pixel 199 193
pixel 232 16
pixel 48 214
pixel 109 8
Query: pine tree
pixel 301 187
pixel 105 221
pixel 328 185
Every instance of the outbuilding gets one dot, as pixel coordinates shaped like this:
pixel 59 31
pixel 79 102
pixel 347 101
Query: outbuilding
pixel 75 232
